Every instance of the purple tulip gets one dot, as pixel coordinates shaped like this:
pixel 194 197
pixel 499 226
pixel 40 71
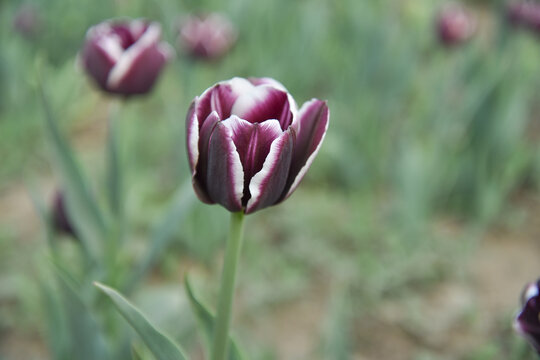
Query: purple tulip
pixel 527 322
pixel 524 14
pixel 60 220
pixel 454 25
pixel 207 37
pixel 248 145
pixel 125 57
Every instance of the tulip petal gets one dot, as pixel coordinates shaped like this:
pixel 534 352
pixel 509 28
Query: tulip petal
pixel 263 103
pixel 221 97
pixel 267 185
pixel 253 142
pixel 225 176
pixel 199 172
pixel 99 57
pixel 140 64
pixel 192 133
pixel 310 128
pixel 267 81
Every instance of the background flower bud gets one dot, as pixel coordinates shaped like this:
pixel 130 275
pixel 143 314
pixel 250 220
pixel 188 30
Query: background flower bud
pixel 207 37
pixel 125 57
pixel 454 25
pixel 248 145
pixel 59 218
pixel 527 322
pixel 27 21
pixel 524 14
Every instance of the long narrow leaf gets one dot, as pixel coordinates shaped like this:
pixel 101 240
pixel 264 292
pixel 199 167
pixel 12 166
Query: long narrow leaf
pixel 159 344
pixel 205 320
pixel 82 209
pixel 86 339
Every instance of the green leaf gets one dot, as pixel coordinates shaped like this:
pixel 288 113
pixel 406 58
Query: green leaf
pixel 179 208
pixel 82 208
pixel 86 338
pixel 55 316
pixel 159 344
pixel 205 320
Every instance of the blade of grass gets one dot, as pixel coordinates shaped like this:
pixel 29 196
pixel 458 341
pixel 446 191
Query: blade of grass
pixel 83 211
pixel 159 344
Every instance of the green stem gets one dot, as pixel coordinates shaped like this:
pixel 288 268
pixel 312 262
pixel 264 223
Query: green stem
pixel 228 277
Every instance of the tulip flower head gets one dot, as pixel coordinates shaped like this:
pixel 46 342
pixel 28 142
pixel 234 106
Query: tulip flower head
pixel 125 57
pixel 525 14
pixel 248 145
pixel 454 25
pixel 60 220
pixel 527 322
pixel 207 37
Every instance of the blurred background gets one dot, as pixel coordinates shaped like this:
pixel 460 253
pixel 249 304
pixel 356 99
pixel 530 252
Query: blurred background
pixel 413 233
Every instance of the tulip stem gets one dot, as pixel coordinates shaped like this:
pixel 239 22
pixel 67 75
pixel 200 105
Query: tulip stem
pixel 228 277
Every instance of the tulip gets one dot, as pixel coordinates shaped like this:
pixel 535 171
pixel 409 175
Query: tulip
pixel 454 25
pixel 207 37
pixel 527 322
pixel 524 14
pixel 59 218
pixel 248 145
pixel 125 57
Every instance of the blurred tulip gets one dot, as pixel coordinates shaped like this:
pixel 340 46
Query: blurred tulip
pixel 125 57
pixel 527 323
pixel 248 145
pixel 27 21
pixel 207 37
pixel 524 14
pixel 60 220
pixel 455 25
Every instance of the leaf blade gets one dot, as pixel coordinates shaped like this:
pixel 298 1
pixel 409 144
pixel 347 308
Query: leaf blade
pixel 159 344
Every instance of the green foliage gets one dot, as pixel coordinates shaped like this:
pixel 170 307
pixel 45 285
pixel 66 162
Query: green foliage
pixel 159 344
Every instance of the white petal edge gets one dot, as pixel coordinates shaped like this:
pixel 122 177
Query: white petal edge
pixel 121 68
pixel 258 178
pixel 193 139
pixel 309 161
pixel 237 169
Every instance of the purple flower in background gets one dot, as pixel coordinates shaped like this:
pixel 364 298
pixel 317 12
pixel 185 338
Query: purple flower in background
pixel 248 145
pixel 527 322
pixel 125 57
pixel 208 36
pixel 27 21
pixel 524 14
pixel 455 25
pixel 59 218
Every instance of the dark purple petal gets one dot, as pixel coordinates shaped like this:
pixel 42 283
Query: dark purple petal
pixel 267 185
pixel 60 219
pixel 221 98
pixel 138 68
pixel 98 60
pixel 310 128
pixel 225 176
pixel 200 173
pixel 527 323
pixel 253 143
pixel 264 103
